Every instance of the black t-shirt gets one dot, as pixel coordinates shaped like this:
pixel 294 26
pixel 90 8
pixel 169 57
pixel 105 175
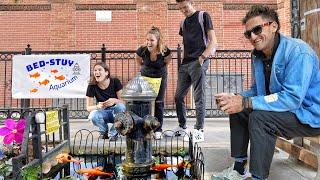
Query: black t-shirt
pixel 192 36
pixel 104 94
pixel 267 62
pixel 150 68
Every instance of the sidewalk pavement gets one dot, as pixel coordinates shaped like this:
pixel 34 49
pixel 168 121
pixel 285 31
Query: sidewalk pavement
pixel 216 149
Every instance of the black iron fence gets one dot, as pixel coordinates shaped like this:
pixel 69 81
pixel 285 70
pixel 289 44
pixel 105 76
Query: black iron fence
pixel 38 145
pixel 229 71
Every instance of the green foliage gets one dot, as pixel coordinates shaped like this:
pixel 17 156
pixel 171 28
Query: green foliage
pixel 5 169
pixel 31 173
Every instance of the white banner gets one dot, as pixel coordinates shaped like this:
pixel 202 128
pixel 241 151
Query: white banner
pixel 50 76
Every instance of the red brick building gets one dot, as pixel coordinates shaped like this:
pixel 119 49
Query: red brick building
pixel 49 25
pixel 72 25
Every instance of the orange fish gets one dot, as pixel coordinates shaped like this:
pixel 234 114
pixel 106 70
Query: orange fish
pixel 33 90
pixel 44 82
pixel 65 158
pixel 160 167
pixel 59 77
pixel 35 75
pixel 54 71
pixel 94 172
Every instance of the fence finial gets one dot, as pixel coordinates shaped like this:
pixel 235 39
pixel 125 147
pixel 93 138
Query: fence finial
pixel 103 53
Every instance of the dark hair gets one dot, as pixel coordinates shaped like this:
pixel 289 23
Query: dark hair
pixel 264 11
pixel 93 80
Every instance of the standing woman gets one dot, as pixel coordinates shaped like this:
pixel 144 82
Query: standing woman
pixel 106 90
pixel 153 59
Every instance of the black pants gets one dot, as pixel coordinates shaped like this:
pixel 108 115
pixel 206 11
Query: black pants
pixel 159 104
pixel 262 129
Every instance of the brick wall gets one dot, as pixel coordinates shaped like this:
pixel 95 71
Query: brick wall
pixel 71 25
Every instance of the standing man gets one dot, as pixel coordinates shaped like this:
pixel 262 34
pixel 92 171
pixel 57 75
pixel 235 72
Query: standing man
pixel 284 99
pixel 199 41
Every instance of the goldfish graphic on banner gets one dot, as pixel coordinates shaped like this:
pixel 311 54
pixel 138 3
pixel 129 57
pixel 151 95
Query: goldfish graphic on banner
pixel 33 90
pixel 60 77
pixel 35 75
pixel 50 76
pixel 54 71
pixel 44 82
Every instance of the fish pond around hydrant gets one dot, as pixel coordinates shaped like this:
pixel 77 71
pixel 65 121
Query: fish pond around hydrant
pixel 45 150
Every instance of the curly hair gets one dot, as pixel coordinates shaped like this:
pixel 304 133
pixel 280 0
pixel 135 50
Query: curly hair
pixel 264 11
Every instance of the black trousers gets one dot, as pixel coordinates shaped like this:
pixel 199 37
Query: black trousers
pixel 159 104
pixel 262 129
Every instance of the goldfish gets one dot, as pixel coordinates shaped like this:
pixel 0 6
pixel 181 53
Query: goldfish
pixel 94 172
pixel 35 75
pixel 65 158
pixel 59 77
pixel 33 90
pixel 44 82
pixel 160 167
pixel 54 71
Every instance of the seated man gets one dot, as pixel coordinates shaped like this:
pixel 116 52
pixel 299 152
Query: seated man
pixel 107 91
pixel 284 99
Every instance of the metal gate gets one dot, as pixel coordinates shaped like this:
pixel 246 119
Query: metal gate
pixel 229 71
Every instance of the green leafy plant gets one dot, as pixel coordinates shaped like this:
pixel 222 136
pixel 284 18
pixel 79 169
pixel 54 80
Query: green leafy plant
pixel 31 173
pixel 5 169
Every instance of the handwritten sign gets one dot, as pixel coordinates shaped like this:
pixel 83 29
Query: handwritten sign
pixel 154 83
pixel 52 122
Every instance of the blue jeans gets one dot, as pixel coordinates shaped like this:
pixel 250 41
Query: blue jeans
pixel 102 117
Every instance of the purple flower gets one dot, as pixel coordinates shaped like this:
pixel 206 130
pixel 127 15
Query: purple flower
pixel 13 131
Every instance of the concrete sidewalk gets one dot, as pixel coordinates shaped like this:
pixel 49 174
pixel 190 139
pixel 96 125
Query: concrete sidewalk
pixel 216 149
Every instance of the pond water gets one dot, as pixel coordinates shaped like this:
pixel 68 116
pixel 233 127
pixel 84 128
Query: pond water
pixel 171 173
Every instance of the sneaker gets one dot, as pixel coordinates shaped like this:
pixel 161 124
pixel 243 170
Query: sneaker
pixel 198 135
pixel 157 135
pixel 104 135
pixel 230 174
pixel 113 138
pixel 178 131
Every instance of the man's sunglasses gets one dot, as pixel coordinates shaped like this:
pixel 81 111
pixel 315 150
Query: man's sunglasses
pixel 256 30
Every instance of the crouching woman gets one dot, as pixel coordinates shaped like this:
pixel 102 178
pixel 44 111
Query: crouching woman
pixel 106 90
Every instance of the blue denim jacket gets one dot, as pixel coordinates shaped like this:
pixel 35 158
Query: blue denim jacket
pixel 294 82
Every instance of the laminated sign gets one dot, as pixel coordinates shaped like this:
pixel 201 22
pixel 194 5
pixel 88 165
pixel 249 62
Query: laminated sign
pixel 50 76
pixel 154 83
pixel 52 122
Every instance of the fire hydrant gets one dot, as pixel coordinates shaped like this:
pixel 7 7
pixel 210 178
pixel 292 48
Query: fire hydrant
pixel 137 124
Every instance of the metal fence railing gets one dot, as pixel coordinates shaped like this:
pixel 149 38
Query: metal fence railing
pixel 229 71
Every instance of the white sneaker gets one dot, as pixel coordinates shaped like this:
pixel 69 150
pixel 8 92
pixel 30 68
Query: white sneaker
pixel 198 135
pixel 157 135
pixel 177 131
pixel 230 174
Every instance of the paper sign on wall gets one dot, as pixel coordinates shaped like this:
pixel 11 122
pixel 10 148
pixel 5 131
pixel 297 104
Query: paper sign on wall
pixel 52 122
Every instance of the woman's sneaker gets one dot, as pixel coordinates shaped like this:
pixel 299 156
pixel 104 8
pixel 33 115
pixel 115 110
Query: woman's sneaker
pixel 230 174
pixel 178 131
pixel 157 135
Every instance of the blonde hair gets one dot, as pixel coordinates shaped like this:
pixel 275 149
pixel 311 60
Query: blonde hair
pixel 161 47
